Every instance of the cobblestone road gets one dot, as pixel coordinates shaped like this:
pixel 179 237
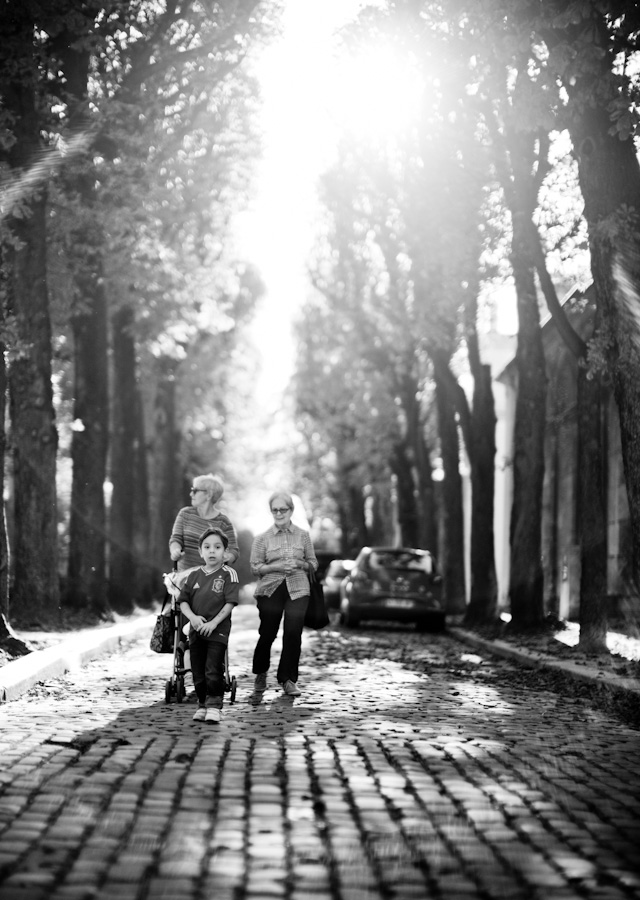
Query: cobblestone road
pixel 409 768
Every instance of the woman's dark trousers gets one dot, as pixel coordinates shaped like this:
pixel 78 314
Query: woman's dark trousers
pixel 271 611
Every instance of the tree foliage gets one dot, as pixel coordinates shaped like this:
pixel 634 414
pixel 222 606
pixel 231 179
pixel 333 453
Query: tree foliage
pixel 512 82
pixel 142 121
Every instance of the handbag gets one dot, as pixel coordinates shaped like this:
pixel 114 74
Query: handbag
pixel 163 632
pixel 316 616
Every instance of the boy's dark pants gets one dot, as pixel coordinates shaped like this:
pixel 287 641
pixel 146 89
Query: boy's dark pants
pixel 271 610
pixel 207 669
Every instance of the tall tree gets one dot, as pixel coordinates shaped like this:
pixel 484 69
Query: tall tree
pixel 578 48
pixel 451 510
pixel 9 641
pixel 178 56
pixel 601 98
pixel 34 436
pixel 71 45
pixel 445 166
pixel 166 57
pixel 526 578
pixel 535 107
pixel 125 433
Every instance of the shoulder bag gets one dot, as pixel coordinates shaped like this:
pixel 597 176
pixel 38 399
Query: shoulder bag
pixel 163 631
pixel 316 616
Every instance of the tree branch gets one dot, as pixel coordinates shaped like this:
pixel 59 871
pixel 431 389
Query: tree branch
pixel 568 334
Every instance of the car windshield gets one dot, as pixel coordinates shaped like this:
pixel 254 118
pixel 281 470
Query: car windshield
pixel 403 559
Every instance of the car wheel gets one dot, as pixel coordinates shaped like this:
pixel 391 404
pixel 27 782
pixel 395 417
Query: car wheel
pixel 347 617
pixel 431 623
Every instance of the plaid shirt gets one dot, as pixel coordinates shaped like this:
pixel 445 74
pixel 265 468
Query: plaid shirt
pixel 272 545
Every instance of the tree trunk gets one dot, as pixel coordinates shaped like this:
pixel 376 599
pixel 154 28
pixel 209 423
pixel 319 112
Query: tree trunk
pixel 35 595
pixel 526 579
pixel 345 525
pixel 380 531
pixel 33 433
pixel 610 183
pixel 428 510
pixel 590 477
pixel 406 495
pixel 167 481
pixel 483 601
pixel 86 586
pixel 122 559
pixel 358 533
pixel 591 516
pixel 426 527
pixel 9 641
pixel 147 575
pixel 86 579
pixel 452 519
pixel 350 502
pixel 478 429
pixel 5 556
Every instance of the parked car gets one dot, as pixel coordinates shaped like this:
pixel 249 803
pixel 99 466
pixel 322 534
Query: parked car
pixel 397 584
pixel 336 571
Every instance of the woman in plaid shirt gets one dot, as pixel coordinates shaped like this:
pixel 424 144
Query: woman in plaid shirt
pixel 280 559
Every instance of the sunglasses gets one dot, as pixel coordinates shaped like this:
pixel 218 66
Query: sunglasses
pixel 196 490
pixel 279 509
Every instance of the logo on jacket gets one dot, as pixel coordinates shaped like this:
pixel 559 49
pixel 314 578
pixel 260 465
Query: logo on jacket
pixel 218 585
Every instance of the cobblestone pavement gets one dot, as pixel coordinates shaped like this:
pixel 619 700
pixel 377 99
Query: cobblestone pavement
pixel 409 768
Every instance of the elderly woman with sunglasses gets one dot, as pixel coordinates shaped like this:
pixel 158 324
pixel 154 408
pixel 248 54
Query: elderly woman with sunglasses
pixel 193 520
pixel 281 558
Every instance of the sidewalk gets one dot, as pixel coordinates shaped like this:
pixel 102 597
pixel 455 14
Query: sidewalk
pixel 68 654
pixel 587 670
pixel 71 653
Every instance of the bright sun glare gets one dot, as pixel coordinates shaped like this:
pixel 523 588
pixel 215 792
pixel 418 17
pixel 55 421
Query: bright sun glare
pixel 313 89
pixel 375 92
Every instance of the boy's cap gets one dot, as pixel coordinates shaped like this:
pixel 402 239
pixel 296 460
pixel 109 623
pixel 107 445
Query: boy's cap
pixel 218 532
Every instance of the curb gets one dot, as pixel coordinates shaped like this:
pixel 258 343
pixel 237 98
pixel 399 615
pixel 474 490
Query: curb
pixel 614 683
pixel 22 674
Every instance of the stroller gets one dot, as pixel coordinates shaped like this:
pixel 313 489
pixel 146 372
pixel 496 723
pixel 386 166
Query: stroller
pixel 174 686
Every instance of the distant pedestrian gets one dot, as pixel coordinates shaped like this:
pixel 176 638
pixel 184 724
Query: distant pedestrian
pixel 193 520
pixel 281 557
pixel 206 599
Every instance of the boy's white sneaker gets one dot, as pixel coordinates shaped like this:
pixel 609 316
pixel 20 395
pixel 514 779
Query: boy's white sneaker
pixel 200 714
pixel 214 715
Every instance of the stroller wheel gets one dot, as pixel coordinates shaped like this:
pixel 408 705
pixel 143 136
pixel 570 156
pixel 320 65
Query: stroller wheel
pixel 180 694
pixel 234 685
pixel 167 691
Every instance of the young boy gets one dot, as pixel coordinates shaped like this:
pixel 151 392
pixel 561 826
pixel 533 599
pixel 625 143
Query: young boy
pixel 207 598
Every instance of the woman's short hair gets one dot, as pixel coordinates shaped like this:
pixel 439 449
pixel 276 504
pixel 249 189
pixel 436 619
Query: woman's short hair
pixel 284 495
pixel 211 483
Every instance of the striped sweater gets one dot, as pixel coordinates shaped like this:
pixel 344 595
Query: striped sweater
pixel 187 529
